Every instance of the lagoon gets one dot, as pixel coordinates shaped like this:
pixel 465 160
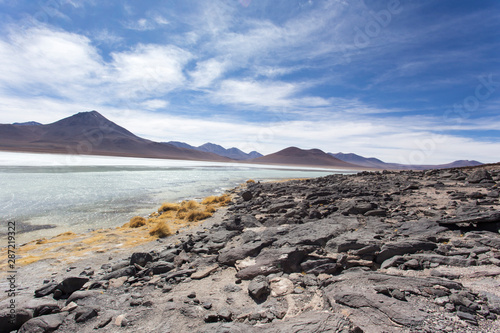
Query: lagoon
pixel 81 193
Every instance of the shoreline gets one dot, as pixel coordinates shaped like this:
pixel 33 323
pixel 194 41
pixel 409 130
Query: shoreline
pixel 76 245
pixel 415 248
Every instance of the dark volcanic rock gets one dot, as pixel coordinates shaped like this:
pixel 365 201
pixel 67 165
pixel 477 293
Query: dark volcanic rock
pixel 140 259
pixel 356 208
pixel 160 267
pixel 401 247
pixel 316 233
pixel 371 299
pixel 285 259
pixel 126 271
pixel 46 290
pixel 8 323
pixel 247 195
pixel 70 285
pixel 229 255
pixel 479 175
pixel 82 314
pixel 258 288
pixel 43 324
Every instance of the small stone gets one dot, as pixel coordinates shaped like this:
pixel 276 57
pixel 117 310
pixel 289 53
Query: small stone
pixel 83 314
pixel 104 322
pixel 135 302
pixel 281 286
pixel 298 290
pixel 121 320
pixel 398 294
pixel 259 288
pixel 449 307
pixel 225 315
pixel 412 264
pixel 70 307
pixel 140 259
pixel 207 305
pixel 191 294
pixel 204 272
pixel 442 300
pixel 470 318
pixel 118 282
pixel 211 317
pixel 247 195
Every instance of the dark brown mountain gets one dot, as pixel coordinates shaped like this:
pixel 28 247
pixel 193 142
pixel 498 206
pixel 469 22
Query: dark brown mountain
pixel 301 157
pixel 92 134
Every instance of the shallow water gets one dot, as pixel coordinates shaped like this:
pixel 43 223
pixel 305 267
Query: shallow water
pixel 82 193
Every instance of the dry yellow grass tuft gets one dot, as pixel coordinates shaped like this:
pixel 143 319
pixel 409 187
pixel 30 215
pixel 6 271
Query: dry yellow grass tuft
pixel 161 229
pixel 198 215
pixel 189 205
pixel 137 222
pixel 250 181
pixel 168 206
pixel 222 200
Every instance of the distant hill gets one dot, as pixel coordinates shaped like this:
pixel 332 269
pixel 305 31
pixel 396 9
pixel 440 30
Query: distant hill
pixel 92 134
pixel 301 157
pixel 29 123
pixel 233 153
pixel 371 162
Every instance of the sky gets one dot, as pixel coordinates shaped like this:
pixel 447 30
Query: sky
pixel 414 82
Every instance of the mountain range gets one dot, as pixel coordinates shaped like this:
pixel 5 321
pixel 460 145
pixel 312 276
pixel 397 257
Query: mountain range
pixel 232 153
pixel 371 162
pixel 91 133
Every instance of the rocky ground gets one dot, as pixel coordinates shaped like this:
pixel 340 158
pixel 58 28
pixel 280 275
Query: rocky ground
pixel 373 252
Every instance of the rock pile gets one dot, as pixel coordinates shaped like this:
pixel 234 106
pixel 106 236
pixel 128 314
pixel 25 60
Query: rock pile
pixel 373 252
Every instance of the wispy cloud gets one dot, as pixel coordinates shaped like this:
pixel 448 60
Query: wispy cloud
pixel 146 24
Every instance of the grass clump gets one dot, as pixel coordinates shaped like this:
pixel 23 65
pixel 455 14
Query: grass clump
pixel 220 200
pixel 168 206
pixel 198 215
pixel 137 222
pixel 189 205
pixel 161 230
pixel 250 181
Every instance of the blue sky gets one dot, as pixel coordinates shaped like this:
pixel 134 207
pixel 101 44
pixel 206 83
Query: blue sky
pixel 405 81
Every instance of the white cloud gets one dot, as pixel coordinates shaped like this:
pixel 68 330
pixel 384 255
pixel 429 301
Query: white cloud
pixel 206 72
pixel 255 93
pixel 146 24
pixel 40 59
pixel 154 104
pixel 67 65
pixel 148 69
pixel 106 37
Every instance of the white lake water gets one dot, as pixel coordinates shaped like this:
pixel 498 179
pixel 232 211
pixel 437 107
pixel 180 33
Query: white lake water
pixel 82 193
